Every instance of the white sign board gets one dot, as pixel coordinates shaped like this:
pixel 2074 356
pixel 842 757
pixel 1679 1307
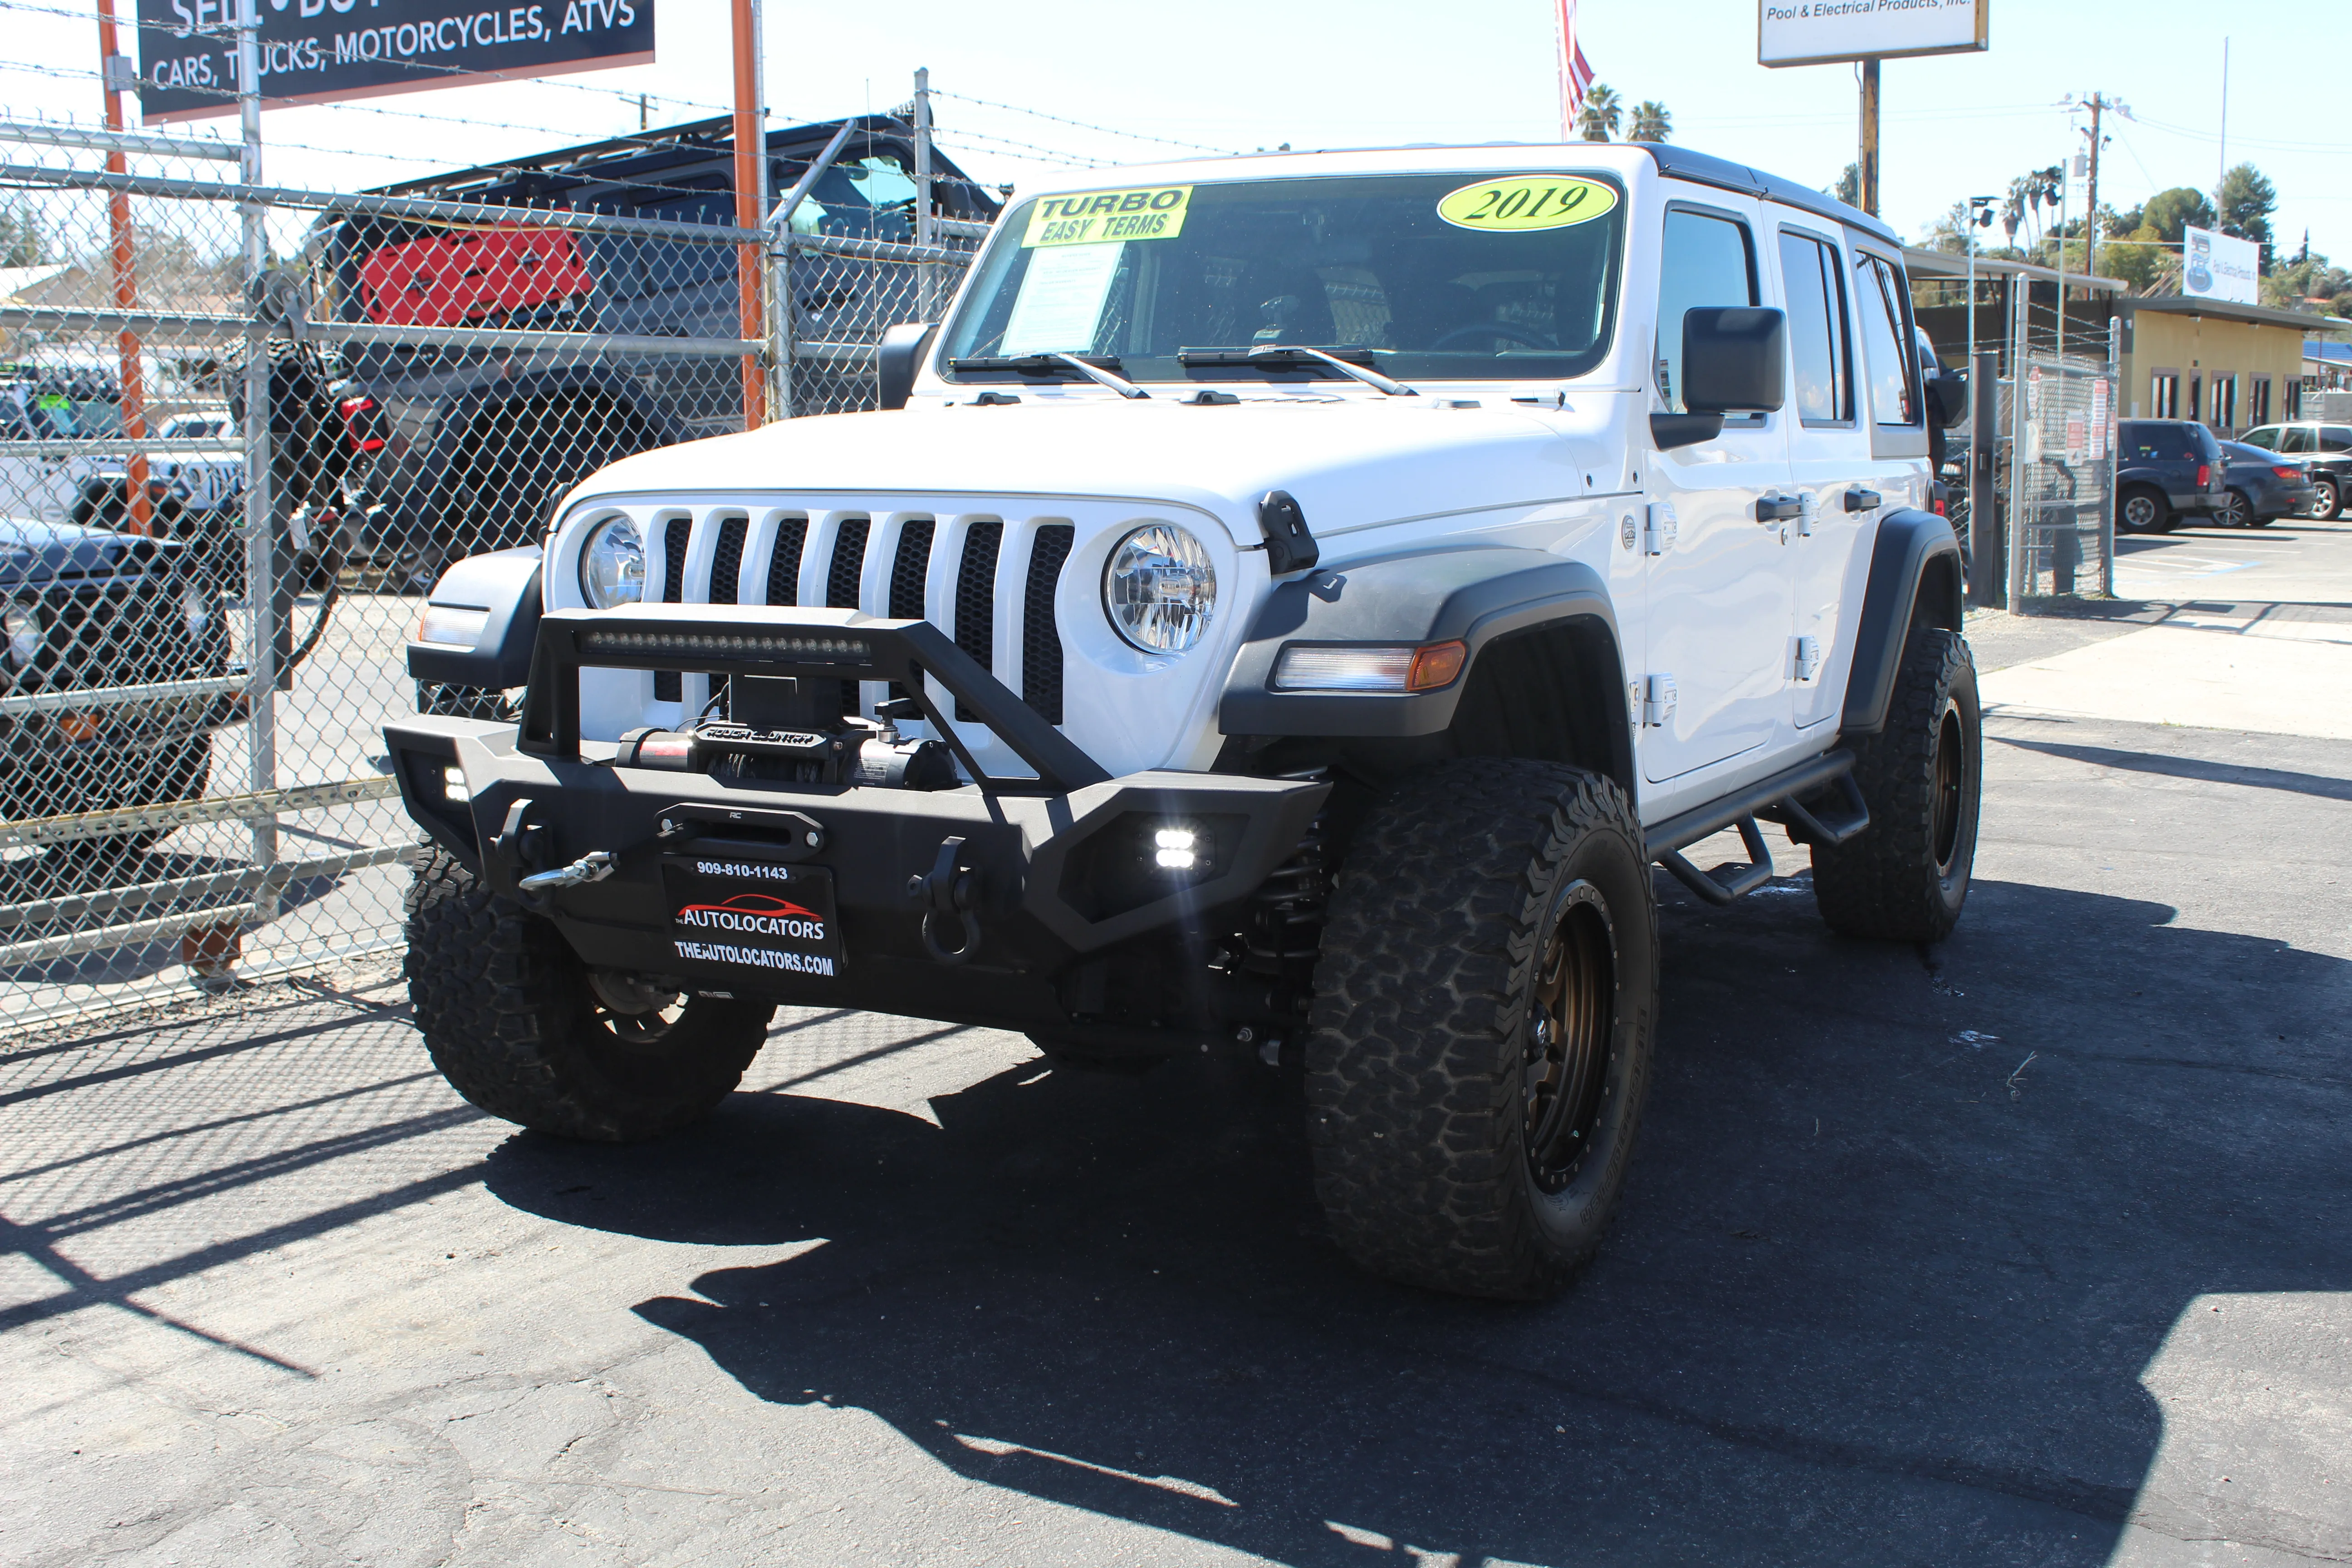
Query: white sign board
pixel 2216 267
pixel 1810 32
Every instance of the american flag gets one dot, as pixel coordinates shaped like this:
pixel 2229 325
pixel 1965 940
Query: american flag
pixel 1575 71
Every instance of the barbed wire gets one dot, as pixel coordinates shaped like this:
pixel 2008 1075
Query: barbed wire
pixel 1051 154
pixel 1083 125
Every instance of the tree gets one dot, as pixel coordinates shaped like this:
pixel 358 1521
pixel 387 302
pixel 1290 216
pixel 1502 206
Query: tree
pixel 1949 232
pixel 1650 122
pixel 1849 191
pixel 1603 111
pixel 2169 212
pixel 22 243
pixel 2245 203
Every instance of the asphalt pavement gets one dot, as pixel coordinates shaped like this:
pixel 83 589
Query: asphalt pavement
pixel 2029 1247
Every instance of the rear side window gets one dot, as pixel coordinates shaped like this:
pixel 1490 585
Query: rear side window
pixel 1893 374
pixel 1817 330
pixel 1708 260
pixel 2295 438
pixel 2335 438
pixel 2208 446
pixel 2156 443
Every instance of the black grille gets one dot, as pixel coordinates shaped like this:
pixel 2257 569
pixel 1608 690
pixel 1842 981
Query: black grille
pixel 848 564
pixel 785 563
pixel 727 559
pixel 1041 643
pixel 975 598
pixel 667 685
pixel 907 574
pixel 841 584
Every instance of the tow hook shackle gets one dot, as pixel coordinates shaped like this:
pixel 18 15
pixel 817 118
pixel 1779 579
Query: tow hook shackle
pixel 948 891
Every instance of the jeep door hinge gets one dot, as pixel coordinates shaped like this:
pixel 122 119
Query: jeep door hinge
pixel 1658 699
pixel 1809 658
pixel 1663 529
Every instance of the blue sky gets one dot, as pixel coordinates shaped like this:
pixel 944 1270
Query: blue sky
pixel 1240 74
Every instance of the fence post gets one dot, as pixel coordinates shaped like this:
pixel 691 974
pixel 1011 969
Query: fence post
pixel 1988 582
pixel 926 275
pixel 260 504
pixel 2107 433
pixel 2020 422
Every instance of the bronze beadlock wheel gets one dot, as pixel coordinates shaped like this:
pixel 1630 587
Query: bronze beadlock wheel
pixel 1575 1005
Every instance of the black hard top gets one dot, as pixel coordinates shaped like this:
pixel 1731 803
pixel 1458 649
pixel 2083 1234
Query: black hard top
pixel 1681 164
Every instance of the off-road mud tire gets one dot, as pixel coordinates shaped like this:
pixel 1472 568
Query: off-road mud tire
pixel 1902 879
pixel 1418 1061
pixel 510 1019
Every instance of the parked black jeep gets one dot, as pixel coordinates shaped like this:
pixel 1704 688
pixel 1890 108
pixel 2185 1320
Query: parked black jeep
pixel 467 450
pixel 2166 470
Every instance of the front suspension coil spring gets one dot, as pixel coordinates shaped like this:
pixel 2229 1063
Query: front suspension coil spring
pixel 1286 920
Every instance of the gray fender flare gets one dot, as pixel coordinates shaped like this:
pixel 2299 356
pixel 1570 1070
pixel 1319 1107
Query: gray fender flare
pixel 1916 577
pixel 506 584
pixel 1475 595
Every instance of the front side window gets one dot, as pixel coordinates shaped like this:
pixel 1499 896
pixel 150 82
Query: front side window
pixel 1894 374
pixel 1706 260
pixel 2265 438
pixel 1817 330
pixel 1429 276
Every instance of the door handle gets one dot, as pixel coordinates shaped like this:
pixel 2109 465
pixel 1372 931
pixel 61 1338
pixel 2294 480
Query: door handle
pixel 1860 499
pixel 1779 509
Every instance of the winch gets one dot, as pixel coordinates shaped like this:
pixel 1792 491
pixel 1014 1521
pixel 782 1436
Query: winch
pixel 793 731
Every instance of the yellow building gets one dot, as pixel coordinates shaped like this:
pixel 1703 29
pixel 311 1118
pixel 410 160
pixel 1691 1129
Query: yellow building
pixel 2233 366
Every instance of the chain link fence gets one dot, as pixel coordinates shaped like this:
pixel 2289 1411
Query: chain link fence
pixel 2060 469
pixel 242 430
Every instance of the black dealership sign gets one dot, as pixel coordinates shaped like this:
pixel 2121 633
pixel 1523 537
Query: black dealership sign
pixel 315 51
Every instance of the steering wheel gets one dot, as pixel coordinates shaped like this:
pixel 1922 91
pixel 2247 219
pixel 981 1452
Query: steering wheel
pixel 1488 330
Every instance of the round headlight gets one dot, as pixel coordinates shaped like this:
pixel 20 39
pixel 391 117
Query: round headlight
pixel 613 564
pixel 26 632
pixel 1158 588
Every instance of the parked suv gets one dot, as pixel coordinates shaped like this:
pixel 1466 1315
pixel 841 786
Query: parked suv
pixel 2166 470
pixel 2327 448
pixel 468 449
pixel 1299 601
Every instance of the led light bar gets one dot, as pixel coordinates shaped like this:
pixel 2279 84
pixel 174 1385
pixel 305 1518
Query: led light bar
pixel 724 644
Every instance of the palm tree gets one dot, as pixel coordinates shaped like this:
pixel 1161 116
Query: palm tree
pixel 1650 122
pixel 1597 119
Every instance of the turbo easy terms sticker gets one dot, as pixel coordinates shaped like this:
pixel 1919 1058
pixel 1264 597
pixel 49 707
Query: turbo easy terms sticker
pixel 1520 204
pixel 1155 212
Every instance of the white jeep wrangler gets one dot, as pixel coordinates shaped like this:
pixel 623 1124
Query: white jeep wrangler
pixel 1292 604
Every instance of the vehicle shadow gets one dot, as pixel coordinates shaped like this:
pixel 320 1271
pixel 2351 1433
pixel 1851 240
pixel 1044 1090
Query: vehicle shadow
pixel 1906 1230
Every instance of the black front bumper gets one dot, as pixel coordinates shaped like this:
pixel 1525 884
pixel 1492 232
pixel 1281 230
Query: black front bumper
pixel 1055 871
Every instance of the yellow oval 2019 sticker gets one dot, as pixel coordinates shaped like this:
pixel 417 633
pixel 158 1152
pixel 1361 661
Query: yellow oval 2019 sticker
pixel 1156 212
pixel 1523 202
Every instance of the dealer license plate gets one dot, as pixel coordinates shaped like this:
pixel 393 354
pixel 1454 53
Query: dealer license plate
pixel 752 915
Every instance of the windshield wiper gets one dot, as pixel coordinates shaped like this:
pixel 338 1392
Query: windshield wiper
pixel 1296 356
pixel 1097 368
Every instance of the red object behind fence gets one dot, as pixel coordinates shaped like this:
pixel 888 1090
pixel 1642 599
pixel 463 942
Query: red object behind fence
pixel 450 280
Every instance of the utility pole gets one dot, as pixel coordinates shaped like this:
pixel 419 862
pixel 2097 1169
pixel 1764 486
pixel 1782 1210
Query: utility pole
pixel 1866 168
pixel 2222 171
pixel 2091 225
pixel 114 78
pixel 750 260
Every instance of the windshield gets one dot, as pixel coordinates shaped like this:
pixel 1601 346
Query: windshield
pixel 1424 276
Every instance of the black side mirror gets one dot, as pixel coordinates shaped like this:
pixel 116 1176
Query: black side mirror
pixel 1947 397
pixel 898 357
pixel 1735 359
